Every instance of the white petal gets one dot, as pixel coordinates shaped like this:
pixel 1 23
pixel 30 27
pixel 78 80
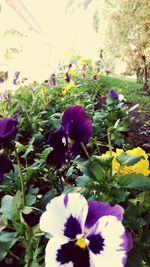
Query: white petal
pixel 112 231
pixel 51 253
pixel 58 211
pixel 111 260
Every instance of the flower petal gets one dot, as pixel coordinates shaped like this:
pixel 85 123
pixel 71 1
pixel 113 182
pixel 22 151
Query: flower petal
pixel 5 166
pixel 65 215
pixel 78 150
pixel 8 129
pixel 70 252
pixel 96 243
pixel 58 156
pixel 52 248
pixel 114 94
pixel 77 124
pixel 114 251
pixel 99 209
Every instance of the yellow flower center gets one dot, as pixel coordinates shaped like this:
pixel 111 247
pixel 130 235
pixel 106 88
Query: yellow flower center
pixel 81 241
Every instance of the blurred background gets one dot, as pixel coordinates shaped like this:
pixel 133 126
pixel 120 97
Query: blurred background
pixel 38 36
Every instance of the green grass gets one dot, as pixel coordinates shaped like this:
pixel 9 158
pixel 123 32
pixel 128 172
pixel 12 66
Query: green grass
pixel 131 90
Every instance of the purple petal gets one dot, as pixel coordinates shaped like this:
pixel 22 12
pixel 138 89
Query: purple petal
pixel 5 166
pixel 72 227
pixel 127 241
pixel 96 243
pixel 1 80
pixel 77 124
pixel 99 209
pixel 127 244
pixel 70 252
pixel 66 200
pixel 113 94
pixel 16 74
pixel 78 150
pixel 57 157
pixel 8 129
pixel 6 75
pixel 59 154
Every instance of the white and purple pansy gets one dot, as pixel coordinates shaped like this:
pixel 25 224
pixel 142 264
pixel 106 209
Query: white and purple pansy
pixel 87 234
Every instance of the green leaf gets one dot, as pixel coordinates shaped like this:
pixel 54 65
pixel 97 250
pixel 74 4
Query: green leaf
pixel 30 199
pixel 6 207
pixel 70 171
pixel 3 223
pixel 29 149
pixel 46 199
pixel 105 162
pixel 93 169
pixel 70 189
pixel 97 171
pixel 134 258
pixel 7 240
pixel 133 107
pixel 10 205
pixel 45 152
pixel 127 159
pixel 20 147
pixel 82 180
pixel 27 210
pixel 118 194
pixel 122 129
pixel 135 181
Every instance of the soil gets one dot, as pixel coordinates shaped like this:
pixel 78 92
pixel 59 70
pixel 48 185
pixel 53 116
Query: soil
pixel 139 126
pixel 139 133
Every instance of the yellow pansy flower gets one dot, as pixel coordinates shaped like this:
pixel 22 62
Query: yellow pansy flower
pixel 68 87
pixel 142 166
pixel 72 72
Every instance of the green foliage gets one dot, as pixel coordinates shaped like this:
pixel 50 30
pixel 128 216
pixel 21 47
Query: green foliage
pixel 26 191
pixel 129 88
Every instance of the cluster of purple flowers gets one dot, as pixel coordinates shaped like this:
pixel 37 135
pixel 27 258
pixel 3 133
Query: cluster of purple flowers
pixel 8 131
pixel 75 131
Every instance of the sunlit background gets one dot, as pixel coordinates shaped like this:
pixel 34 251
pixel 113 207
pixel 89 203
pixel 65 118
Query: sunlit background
pixel 37 35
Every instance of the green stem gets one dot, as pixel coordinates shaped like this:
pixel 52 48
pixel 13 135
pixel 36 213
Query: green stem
pixel 21 177
pixel 110 149
pixel 109 142
pixel 85 151
pixel 14 256
pixel 95 142
pixel 29 248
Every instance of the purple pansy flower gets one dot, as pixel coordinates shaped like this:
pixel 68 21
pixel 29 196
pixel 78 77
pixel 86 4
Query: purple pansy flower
pixel 67 77
pixel 8 130
pixel 88 234
pixel 7 97
pixel 6 75
pixel 24 79
pixel 16 76
pixel 1 79
pixel 114 94
pixel 5 166
pixel 76 128
pixel 52 80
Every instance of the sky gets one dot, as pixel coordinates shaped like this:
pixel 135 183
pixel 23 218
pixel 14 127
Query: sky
pixel 59 34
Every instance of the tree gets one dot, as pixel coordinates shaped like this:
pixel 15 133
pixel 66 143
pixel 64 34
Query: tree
pixel 130 26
